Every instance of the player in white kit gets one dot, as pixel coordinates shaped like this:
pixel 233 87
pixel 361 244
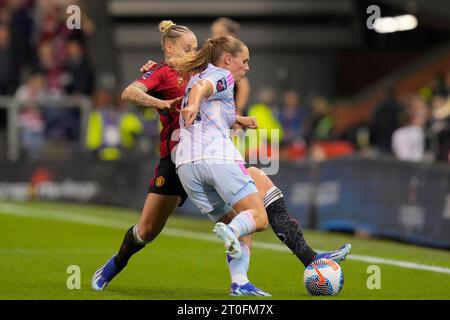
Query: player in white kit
pixel 210 167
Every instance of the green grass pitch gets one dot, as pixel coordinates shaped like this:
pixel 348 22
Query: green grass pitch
pixel 40 240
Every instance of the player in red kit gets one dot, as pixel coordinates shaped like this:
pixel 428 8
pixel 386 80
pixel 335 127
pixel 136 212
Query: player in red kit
pixel 160 88
pixel 164 83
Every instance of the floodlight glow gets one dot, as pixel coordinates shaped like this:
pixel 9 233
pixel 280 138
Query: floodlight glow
pixel 406 22
pixel 385 25
pixel 394 24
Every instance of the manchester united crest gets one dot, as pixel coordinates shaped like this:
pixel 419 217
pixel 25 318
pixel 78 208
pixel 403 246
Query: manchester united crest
pixel 159 182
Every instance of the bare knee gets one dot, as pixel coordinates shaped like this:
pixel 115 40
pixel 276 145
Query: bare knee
pixel 262 181
pixel 156 211
pixel 147 232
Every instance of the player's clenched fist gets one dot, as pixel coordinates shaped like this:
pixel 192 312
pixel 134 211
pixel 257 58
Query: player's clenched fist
pixel 172 105
pixel 189 114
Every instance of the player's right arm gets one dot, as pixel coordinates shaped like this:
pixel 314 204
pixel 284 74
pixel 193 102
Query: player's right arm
pixel 137 94
pixel 200 90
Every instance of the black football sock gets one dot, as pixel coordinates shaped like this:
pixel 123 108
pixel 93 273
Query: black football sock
pixel 286 227
pixel 130 245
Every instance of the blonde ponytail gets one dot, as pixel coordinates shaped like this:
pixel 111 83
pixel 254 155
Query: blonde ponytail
pixel 196 63
pixel 171 31
pixel 165 25
pixel 211 52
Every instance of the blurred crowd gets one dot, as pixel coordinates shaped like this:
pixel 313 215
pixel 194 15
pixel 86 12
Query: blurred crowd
pixel 42 62
pixel 35 42
pixel 42 59
pixel 412 127
pixel 416 126
pixel 301 123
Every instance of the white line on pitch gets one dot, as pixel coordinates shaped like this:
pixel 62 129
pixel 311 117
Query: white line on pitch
pixel 66 216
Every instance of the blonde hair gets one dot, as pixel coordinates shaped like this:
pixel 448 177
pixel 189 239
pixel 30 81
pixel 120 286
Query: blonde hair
pixel 171 31
pixel 211 52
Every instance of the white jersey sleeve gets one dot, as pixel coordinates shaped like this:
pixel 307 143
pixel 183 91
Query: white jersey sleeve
pixel 223 83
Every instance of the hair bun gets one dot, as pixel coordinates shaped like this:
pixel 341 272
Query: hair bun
pixel 164 26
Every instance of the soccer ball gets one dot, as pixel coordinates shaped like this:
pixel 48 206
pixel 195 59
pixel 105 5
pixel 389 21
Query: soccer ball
pixel 323 277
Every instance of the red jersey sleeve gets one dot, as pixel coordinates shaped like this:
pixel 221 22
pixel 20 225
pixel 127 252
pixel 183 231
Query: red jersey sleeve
pixel 151 79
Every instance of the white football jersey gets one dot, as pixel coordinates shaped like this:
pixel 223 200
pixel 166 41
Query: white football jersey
pixel 209 136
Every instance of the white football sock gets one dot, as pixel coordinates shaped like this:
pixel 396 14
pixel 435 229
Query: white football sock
pixel 243 224
pixel 239 267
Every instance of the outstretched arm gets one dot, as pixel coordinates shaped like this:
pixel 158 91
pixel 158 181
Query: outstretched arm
pixel 137 94
pixel 199 91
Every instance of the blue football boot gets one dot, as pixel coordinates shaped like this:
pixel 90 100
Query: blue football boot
pixel 104 275
pixel 337 256
pixel 247 290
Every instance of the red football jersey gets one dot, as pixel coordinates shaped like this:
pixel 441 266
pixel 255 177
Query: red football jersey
pixel 164 83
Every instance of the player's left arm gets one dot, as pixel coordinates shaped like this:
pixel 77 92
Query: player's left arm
pixel 200 90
